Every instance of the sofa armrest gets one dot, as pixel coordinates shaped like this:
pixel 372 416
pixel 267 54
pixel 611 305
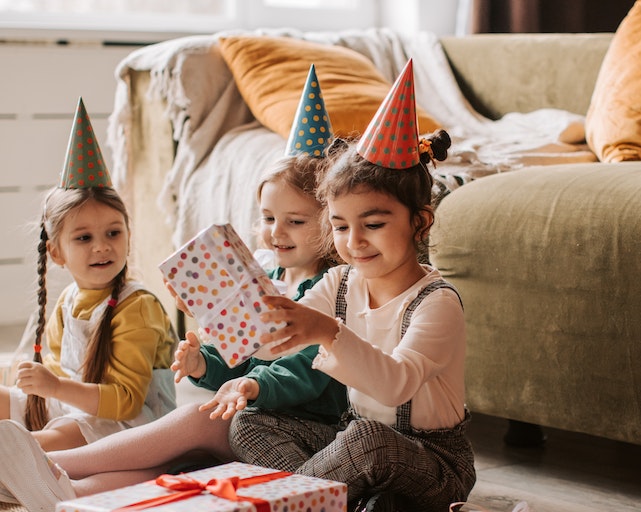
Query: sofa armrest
pixel 150 156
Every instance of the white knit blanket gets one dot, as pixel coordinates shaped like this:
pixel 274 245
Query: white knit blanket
pixel 222 150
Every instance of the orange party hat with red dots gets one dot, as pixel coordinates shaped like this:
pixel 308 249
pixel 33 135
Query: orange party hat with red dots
pixel 391 138
pixel 311 130
pixel 84 166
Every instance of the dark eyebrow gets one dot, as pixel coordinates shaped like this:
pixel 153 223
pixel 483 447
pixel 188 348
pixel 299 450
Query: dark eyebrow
pixel 375 211
pixel 368 213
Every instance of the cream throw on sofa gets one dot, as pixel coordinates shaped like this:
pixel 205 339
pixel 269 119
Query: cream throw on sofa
pixel 221 148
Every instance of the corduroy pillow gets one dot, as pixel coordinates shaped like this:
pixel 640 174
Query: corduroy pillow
pixel 613 121
pixel 270 73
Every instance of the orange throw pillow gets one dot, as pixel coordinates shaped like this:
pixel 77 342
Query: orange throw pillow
pixel 613 121
pixel 270 73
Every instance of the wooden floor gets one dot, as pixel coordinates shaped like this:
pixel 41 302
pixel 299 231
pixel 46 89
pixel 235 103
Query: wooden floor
pixel 570 473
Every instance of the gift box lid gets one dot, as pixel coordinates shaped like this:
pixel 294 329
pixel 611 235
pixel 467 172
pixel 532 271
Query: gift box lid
pixel 285 492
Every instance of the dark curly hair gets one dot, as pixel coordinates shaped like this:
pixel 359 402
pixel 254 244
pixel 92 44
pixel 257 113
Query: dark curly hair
pixel 411 187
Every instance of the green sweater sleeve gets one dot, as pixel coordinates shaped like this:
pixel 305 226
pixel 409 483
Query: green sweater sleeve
pixel 289 381
pixel 217 372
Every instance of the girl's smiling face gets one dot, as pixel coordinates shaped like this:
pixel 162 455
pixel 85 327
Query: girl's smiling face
pixel 373 232
pixel 93 244
pixel 290 226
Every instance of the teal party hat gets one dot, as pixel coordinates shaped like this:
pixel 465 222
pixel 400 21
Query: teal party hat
pixel 84 165
pixel 311 130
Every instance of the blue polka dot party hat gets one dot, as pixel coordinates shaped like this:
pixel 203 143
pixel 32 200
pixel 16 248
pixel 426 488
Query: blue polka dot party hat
pixel 84 165
pixel 311 130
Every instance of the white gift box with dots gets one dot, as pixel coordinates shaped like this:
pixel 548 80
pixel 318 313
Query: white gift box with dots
pixel 278 493
pixel 222 285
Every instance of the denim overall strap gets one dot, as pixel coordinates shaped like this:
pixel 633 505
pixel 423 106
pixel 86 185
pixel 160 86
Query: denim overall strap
pixel 341 305
pixel 404 411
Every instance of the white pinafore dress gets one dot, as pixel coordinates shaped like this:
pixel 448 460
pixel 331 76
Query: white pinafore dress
pixel 161 395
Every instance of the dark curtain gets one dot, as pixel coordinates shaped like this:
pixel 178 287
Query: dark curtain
pixel 530 16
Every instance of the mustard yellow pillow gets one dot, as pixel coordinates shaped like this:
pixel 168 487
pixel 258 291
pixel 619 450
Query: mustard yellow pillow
pixel 270 73
pixel 613 121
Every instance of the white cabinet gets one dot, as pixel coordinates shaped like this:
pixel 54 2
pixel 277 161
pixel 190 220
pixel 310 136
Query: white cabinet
pixel 39 89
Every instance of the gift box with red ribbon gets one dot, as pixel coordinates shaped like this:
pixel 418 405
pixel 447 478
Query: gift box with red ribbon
pixel 221 284
pixel 233 487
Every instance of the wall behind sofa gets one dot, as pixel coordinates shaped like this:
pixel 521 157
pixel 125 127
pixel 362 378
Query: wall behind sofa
pixel 38 96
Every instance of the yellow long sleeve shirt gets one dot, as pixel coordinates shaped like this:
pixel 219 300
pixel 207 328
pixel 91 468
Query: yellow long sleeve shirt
pixel 142 339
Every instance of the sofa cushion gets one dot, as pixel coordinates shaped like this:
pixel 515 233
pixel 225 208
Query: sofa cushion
pixel 613 122
pixel 270 73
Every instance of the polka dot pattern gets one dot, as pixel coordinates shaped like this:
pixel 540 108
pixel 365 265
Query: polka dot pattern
pixel 311 130
pixel 293 493
pixel 391 138
pixel 221 283
pixel 84 166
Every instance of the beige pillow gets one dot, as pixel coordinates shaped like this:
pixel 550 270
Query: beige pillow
pixel 270 73
pixel 613 121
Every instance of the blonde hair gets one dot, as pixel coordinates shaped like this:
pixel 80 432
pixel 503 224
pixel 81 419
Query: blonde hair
pixel 303 172
pixel 58 204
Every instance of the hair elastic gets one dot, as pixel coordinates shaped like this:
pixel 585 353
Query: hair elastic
pixel 37 349
pixel 425 146
pixel 112 303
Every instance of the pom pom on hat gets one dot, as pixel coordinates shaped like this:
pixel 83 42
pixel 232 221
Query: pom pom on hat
pixel 84 165
pixel 311 130
pixel 391 138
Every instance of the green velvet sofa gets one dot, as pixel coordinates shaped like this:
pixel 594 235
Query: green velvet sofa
pixel 546 259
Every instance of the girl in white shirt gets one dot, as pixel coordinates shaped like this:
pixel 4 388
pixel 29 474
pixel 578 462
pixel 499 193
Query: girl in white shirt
pixel 390 329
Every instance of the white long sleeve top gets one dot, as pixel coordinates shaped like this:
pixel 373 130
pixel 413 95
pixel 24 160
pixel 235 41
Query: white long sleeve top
pixel 381 370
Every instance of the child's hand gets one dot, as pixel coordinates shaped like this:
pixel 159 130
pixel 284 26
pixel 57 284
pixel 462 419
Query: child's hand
pixel 179 302
pixel 36 379
pixel 231 397
pixel 188 361
pixel 304 325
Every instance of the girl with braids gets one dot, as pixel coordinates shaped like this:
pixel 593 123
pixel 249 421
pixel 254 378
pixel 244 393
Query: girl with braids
pixel 109 342
pixel 390 328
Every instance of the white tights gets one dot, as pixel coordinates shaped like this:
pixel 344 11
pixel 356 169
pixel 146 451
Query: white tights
pixel 142 453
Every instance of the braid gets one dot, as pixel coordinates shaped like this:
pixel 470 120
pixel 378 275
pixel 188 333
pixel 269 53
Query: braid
pixel 36 411
pixel 42 285
pixel 99 346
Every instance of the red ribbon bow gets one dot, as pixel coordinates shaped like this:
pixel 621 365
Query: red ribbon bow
pixel 187 487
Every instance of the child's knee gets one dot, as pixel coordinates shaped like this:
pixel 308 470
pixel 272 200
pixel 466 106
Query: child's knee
pixel 365 427
pixel 374 438
pixel 245 425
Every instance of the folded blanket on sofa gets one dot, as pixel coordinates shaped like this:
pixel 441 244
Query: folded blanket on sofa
pixel 221 148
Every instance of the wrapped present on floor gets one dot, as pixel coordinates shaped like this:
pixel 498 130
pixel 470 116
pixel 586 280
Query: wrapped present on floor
pixel 229 487
pixel 221 284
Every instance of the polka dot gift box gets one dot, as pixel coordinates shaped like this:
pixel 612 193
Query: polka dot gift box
pixel 222 284
pixel 233 487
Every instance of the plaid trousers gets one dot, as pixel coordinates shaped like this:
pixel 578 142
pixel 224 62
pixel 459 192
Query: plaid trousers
pixel 425 472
